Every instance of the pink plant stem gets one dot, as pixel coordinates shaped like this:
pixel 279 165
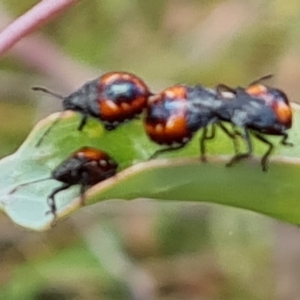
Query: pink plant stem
pixel 37 16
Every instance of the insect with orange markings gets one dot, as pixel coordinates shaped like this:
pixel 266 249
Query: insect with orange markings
pixel 257 110
pixel 85 167
pixel 113 98
pixel 174 115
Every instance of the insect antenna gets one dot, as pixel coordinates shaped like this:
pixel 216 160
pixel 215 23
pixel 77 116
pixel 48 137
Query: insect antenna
pixel 28 183
pixel 49 129
pixel 260 79
pixel 44 90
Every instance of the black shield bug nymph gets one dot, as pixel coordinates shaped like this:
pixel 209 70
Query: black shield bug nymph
pixel 85 167
pixel 113 98
pixel 257 110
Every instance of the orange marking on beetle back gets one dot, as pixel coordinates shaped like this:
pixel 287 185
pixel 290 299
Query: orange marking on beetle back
pixel 138 104
pixel 159 128
pixel 283 113
pixel 110 77
pixel 176 91
pixel 141 84
pixel 176 127
pixel 174 130
pixel 173 127
pixel 91 153
pixel 256 89
pixel 124 108
pixel 109 110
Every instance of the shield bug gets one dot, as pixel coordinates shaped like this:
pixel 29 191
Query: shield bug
pixel 258 110
pixel 85 167
pixel 113 98
pixel 175 114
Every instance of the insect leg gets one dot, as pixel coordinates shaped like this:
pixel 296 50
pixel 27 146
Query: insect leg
pixel 284 140
pixel 232 136
pixel 203 139
pixel 49 129
pixel 242 156
pixel 264 160
pixel 168 149
pixel 83 187
pixel 82 122
pixel 51 200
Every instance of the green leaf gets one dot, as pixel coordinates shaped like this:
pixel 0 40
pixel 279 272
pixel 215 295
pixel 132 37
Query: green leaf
pixel 185 178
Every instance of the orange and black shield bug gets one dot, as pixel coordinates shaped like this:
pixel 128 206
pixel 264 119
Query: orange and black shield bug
pixel 175 114
pixel 85 167
pixel 113 98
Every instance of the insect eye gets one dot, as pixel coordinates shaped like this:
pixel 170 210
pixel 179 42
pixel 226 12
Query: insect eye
pixel 103 163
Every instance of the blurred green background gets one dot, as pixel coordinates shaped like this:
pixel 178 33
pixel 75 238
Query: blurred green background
pixel 142 249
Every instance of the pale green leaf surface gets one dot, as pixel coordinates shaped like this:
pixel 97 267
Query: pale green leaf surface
pixel 275 193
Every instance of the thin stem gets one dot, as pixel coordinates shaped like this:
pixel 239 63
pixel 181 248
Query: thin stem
pixel 37 16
